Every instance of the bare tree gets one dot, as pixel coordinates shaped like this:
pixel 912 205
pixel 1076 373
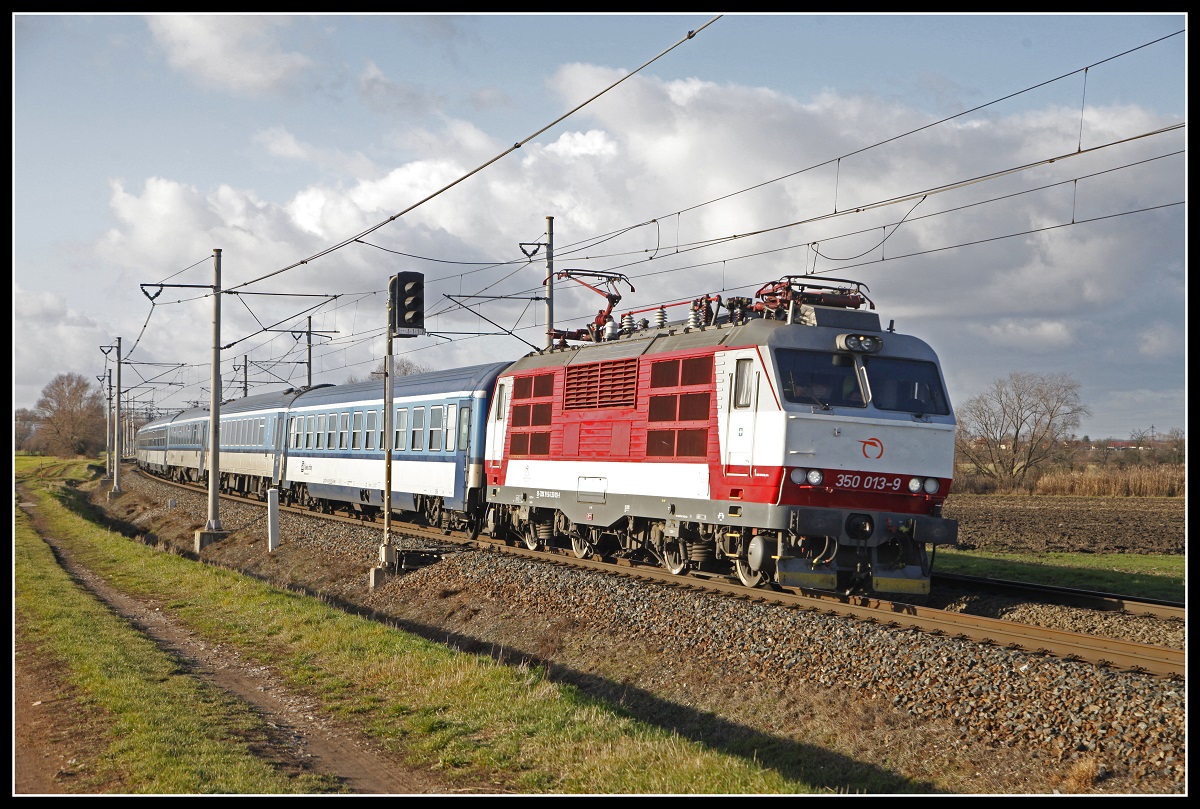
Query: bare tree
pixel 1174 446
pixel 1156 448
pixel 25 422
pixel 401 366
pixel 1019 425
pixel 70 417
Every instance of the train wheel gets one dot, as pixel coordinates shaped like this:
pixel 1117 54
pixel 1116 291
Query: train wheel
pixel 750 578
pixel 674 556
pixel 433 514
pixel 532 540
pixel 581 545
pixel 474 526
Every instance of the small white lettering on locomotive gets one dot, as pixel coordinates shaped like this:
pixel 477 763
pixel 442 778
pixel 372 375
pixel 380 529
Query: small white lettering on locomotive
pixel 548 494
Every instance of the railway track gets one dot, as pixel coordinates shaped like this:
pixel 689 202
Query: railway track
pixel 1066 596
pixel 418 545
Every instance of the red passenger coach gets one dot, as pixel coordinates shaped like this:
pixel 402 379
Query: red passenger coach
pixel 788 438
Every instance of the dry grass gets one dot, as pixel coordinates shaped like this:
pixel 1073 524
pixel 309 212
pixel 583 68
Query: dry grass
pixel 1083 776
pixel 1164 480
pixel 1139 481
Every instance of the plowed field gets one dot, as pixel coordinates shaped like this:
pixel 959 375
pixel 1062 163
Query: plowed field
pixel 1038 524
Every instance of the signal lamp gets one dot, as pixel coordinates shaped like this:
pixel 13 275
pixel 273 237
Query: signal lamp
pixel 859 343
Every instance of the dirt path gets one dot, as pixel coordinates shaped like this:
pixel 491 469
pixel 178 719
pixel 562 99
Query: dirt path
pixel 302 740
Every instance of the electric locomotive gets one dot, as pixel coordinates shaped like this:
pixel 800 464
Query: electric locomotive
pixel 790 437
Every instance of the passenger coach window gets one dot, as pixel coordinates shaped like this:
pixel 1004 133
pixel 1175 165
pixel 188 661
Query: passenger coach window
pixel 418 429
pixel 435 428
pixel 310 441
pixel 370 434
pixel 344 431
pixel 331 434
pixel 401 428
pixel 356 435
pixel 321 431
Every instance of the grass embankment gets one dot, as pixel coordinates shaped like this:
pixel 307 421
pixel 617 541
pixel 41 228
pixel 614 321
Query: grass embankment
pixel 1136 575
pixel 478 721
pixel 162 731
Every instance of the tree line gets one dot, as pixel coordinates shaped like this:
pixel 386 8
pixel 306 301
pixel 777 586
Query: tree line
pixel 70 418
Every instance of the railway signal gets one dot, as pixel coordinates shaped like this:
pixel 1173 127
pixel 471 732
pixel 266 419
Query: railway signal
pixel 406 304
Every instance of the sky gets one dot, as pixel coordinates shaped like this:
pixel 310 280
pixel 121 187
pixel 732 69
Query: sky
pixel 1011 189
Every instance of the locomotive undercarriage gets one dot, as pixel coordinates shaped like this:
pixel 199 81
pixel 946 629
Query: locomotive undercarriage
pixel 758 557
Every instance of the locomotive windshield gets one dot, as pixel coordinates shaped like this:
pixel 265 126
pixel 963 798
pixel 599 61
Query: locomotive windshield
pixel 819 378
pixel 827 379
pixel 909 386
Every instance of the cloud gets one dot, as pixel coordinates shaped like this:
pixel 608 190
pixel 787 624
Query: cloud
pixel 282 144
pixel 1030 335
pixel 236 54
pixel 984 271
pixel 395 98
pixel 1161 341
pixel 66 341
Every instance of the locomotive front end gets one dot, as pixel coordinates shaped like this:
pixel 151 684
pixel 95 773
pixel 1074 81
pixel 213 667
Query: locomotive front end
pixel 867 455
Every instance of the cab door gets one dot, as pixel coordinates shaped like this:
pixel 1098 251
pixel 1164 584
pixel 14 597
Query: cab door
pixel 739 383
pixel 497 431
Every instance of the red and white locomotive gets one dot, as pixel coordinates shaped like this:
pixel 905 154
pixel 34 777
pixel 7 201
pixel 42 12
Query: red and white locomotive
pixel 789 437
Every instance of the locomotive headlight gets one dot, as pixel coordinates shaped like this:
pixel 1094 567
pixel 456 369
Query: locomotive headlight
pixel 797 475
pixel 914 485
pixel 861 343
pixel 815 477
pixel 931 485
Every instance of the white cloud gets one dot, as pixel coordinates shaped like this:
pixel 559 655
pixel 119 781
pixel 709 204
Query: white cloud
pixel 237 53
pixel 280 143
pixel 1161 341
pixel 593 143
pixel 1030 335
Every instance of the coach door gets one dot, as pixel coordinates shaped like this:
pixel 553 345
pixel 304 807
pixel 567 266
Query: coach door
pixel 202 431
pixel 277 451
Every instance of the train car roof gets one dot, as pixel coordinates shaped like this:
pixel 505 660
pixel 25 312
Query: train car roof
pixel 471 378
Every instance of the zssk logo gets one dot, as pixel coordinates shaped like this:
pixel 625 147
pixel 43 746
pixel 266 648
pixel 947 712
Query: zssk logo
pixel 872 449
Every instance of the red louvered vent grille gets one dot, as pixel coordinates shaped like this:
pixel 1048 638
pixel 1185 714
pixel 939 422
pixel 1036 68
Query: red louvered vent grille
pixel 601 384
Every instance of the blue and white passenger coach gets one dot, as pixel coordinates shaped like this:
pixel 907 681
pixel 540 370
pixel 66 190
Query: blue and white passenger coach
pixel 335 448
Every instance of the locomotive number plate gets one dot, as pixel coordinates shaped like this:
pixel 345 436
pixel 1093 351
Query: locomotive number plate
pixel 869 483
